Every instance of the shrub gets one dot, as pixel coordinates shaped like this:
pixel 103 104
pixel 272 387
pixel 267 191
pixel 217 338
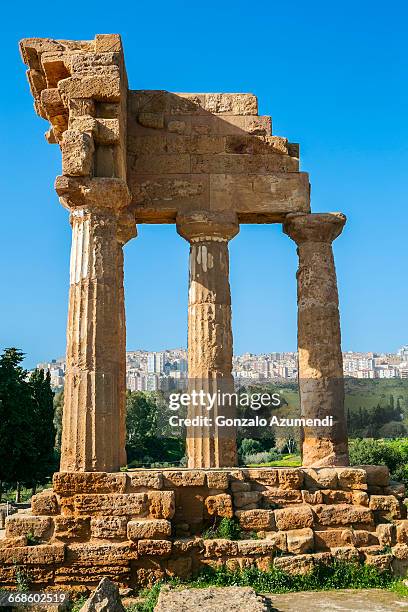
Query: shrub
pixel 264 457
pixel 392 453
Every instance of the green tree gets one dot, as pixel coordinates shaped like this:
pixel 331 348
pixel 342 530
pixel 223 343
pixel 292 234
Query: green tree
pixel 43 429
pixel 15 418
pixel 141 424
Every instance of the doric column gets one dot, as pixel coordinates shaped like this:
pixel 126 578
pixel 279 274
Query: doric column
pixel 81 88
pixel 93 416
pixel 319 342
pixel 210 334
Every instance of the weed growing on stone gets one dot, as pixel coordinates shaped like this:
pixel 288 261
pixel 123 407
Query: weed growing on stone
pixel 227 529
pixel 22 579
pixel 32 540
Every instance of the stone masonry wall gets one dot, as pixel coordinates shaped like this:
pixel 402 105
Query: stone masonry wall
pixel 140 526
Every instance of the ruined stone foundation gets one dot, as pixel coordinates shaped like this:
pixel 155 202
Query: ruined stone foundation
pixel 140 526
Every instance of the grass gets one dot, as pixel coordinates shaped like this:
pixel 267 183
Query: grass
pixel 286 461
pixel 323 577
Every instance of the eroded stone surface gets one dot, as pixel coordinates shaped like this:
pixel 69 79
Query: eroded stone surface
pixel 235 599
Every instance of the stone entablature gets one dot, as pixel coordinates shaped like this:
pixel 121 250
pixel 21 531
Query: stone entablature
pixel 209 152
pixel 140 526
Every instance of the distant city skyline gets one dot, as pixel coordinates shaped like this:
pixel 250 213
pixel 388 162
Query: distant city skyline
pixel 30 364
pixel 168 369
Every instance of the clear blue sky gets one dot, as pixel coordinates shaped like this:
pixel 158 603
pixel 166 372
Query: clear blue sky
pixel 333 75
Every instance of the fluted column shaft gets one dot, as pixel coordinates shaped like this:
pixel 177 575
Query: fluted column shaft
pixel 210 334
pixel 321 382
pixel 126 231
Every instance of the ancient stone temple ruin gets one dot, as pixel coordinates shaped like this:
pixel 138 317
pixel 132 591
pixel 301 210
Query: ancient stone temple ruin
pixel 206 162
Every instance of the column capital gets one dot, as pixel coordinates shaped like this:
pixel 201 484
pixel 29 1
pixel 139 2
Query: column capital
pixel 93 193
pixel 201 226
pixel 126 229
pixel 314 227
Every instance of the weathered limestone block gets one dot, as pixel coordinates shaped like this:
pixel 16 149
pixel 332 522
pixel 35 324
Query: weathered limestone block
pixel 256 547
pixel 71 528
pixel 156 529
pixel 300 541
pixel 42 554
pixel 77 153
pixel 281 497
pixel 336 497
pixel 320 478
pixel 89 63
pixel 153 504
pixel 105 598
pixel 14 542
pixel 69 483
pixel 256 519
pixel 377 475
pixel 217 480
pixel 360 498
pixel 352 478
pixel 108 43
pixel 330 538
pixel 160 548
pixel 151 120
pixel 360 538
pixel 299 564
pixel 87 574
pixel 145 479
pixel 45 503
pixel 147 571
pixel 24 524
pixel 294 518
pixel 400 551
pixel 235 598
pixel 402 532
pixel 220 548
pixel 161 504
pixel 41 575
pixel 101 553
pixel 108 527
pixel 264 477
pixel 290 478
pixel 187 478
pixel 240 486
pixel 386 534
pixel 312 498
pixel 342 514
pixel 241 164
pixel 278 538
pixel 114 504
pixel 387 505
pixel 380 562
pixel 320 359
pixel 104 88
pixel 395 488
pixel 245 498
pixel 188 545
pixel 219 505
pixel 345 553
